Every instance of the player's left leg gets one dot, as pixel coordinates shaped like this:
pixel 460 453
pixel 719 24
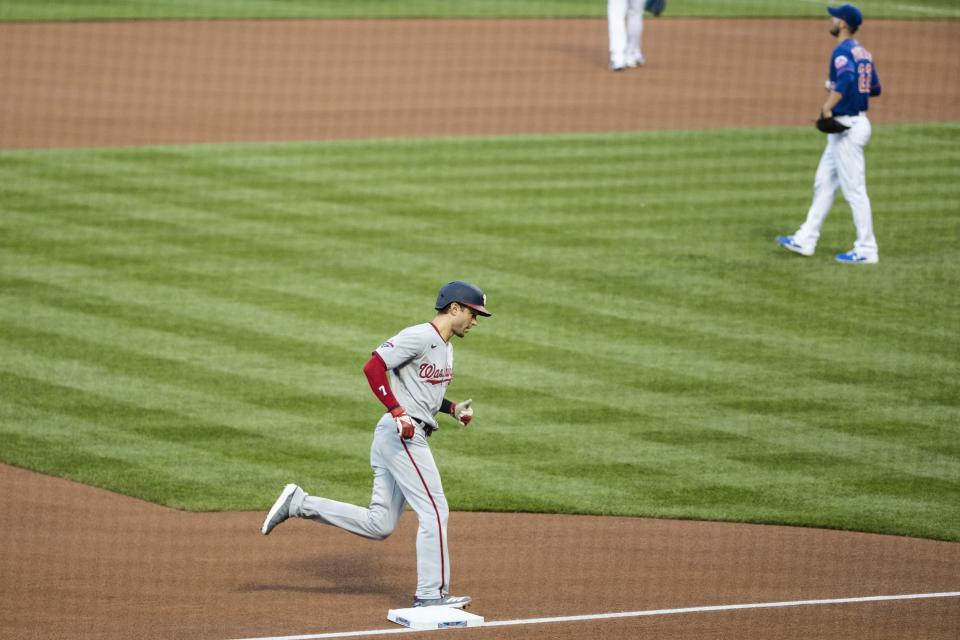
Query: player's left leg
pixel 852 173
pixel 634 55
pixel 416 473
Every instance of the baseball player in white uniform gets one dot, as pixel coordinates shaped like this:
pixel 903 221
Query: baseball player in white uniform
pixel 625 27
pixel 409 374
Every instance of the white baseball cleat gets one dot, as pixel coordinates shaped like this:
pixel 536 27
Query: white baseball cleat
pixel 635 61
pixel 280 510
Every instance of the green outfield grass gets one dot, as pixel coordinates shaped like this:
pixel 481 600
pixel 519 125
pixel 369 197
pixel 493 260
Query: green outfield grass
pixel 156 9
pixel 188 324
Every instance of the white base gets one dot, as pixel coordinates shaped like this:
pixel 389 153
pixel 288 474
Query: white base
pixel 425 618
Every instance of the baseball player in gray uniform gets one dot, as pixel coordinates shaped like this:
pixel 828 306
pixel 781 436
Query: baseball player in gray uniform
pixel 409 374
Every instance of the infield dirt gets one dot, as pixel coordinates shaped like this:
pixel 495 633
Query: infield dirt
pixel 79 562
pixel 134 83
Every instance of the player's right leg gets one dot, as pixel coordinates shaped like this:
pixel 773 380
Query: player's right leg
pixel 617 30
pixel 634 53
pixel 851 170
pixel 825 186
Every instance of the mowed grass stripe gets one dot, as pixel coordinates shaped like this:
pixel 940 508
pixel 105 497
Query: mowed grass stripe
pixel 116 452
pixel 703 375
pixel 701 175
pixel 167 325
pixel 178 9
pixel 66 353
pixel 185 432
pixel 227 376
pixel 166 355
pixel 716 378
pixel 652 351
pixel 893 325
pixel 282 299
pixel 234 194
pixel 736 182
pixel 200 426
pixel 197 437
pixel 101 381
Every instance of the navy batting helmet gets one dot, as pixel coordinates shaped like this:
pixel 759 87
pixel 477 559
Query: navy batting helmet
pixel 464 293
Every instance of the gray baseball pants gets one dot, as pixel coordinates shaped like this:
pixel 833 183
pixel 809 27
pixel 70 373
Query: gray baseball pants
pixel 404 472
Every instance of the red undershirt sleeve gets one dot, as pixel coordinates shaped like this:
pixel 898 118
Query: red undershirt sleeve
pixel 376 372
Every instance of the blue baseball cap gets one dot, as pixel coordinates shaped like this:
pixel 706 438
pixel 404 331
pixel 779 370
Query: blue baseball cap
pixel 848 13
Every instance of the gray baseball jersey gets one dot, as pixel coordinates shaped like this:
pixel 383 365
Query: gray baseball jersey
pixel 421 367
pixel 404 471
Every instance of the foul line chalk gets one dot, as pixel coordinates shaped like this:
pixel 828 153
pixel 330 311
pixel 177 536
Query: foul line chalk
pixel 632 614
pixel 722 607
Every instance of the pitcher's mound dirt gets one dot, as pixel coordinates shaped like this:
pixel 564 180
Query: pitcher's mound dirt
pixel 80 562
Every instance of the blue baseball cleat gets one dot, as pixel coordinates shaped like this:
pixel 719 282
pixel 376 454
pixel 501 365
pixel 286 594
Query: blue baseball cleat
pixel 855 257
pixel 788 243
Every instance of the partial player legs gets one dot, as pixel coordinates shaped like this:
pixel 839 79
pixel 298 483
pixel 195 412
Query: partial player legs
pixel 376 522
pixel 825 186
pixel 404 473
pixel 843 166
pixel 419 480
pixel 634 53
pixel 617 29
pixel 386 502
pixel 852 174
pixel 625 26
pixel 433 554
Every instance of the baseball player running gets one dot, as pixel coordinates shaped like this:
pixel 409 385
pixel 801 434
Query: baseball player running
pixel 409 374
pixel 853 80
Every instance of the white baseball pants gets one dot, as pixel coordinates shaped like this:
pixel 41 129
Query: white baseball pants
pixel 842 165
pixel 404 472
pixel 625 26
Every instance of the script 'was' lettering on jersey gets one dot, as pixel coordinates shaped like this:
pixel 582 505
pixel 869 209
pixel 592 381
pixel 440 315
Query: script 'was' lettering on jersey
pixel 420 366
pixel 435 375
